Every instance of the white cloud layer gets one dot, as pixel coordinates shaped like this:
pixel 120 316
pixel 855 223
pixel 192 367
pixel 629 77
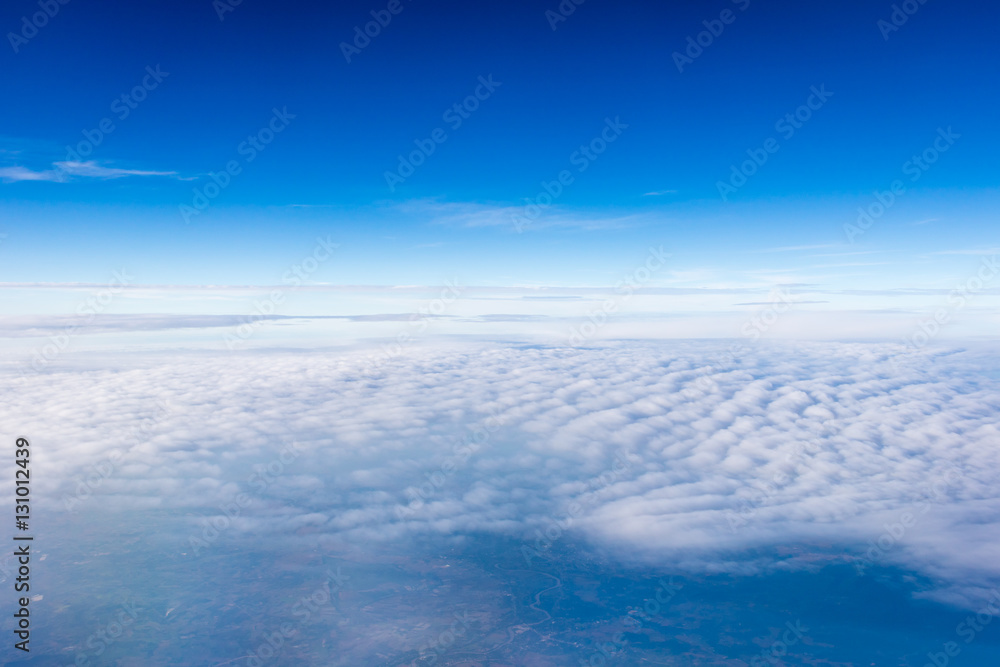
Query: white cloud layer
pixel 820 444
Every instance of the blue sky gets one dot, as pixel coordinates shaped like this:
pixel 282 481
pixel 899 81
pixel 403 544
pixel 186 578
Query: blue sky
pixel 733 241
pixel 76 218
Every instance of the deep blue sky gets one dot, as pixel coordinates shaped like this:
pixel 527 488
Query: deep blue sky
pixel 609 59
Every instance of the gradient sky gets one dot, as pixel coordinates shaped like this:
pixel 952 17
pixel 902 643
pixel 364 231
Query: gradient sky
pixel 324 175
pixel 834 407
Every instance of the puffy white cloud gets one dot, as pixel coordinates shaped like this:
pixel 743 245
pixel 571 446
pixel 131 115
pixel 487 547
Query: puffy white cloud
pixel 664 451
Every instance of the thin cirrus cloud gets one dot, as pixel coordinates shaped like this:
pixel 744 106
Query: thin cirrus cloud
pixel 67 171
pixel 817 445
pixel 515 217
pixel 796 248
pixel 969 251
